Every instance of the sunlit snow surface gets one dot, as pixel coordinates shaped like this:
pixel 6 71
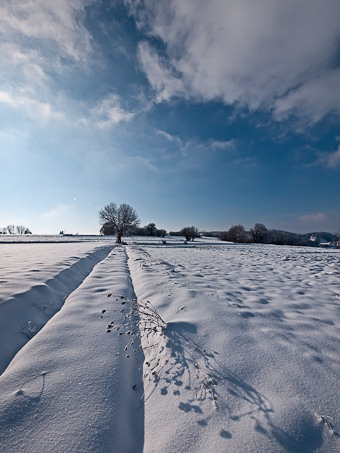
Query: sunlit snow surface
pixel 249 360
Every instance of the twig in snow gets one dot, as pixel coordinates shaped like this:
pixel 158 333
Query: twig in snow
pixel 326 420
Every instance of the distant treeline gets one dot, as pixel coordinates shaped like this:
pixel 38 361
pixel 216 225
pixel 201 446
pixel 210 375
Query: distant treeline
pixel 190 233
pixel 261 235
pixel 148 230
pixel 15 229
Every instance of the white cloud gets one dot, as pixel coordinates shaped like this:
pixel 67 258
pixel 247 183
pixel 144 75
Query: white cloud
pixel 271 54
pixel 53 23
pixel 316 217
pixel 333 159
pixel 161 76
pixel 226 145
pixel 32 107
pixel 314 99
pixel 39 39
pixel 108 112
pixel 206 145
pixel 169 137
pixel 22 65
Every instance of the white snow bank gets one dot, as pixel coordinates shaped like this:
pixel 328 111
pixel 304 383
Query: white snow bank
pixel 35 280
pixel 25 265
pixel 70 388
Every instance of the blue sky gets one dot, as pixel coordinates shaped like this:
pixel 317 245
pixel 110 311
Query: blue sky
pixel 195 113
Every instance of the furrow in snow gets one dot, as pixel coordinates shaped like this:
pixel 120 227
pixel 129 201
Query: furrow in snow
pixel 24 314
pixel 70 389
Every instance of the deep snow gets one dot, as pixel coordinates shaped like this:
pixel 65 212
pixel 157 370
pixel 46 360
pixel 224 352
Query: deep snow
pixel 248 361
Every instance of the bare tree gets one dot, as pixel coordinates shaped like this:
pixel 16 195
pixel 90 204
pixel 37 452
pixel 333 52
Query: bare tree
pixel 190 233
pixel 236 234
pixel 10 229
pixel 151 229
pixel 259 233
pixel 118 220
pixel 337 240
pixel 21 229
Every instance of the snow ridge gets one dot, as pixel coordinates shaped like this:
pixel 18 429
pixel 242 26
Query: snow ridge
pixel 70 389
pixel 25 313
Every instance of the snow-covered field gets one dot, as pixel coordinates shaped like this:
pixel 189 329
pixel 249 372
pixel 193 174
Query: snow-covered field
pixel 247 359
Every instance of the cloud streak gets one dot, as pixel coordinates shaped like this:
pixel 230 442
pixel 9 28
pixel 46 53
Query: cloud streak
pixel 316 217
pixel 226 145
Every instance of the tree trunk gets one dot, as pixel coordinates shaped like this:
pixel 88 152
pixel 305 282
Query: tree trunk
pixel 119 238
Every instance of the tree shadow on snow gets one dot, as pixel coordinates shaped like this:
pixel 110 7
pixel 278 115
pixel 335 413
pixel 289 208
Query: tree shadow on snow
pixel 179 366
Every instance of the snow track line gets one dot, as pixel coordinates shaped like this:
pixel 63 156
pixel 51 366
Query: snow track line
pixel 71 388
pixel 25 314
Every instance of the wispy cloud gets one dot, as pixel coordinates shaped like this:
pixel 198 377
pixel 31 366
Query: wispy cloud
pixel 57 25
pixel 32 107
pixel 333 159
pixel 274 55
pixel 56 212
pixel 226 145
pixel 161 75
pixel 327 159
pixel 108 112
pixel 315 217
pixel 312 100
pixel 40 41
pixel 193 146
pixel 22 65
pixel 169 137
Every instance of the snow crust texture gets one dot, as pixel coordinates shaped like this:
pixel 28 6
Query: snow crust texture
pixel 247 360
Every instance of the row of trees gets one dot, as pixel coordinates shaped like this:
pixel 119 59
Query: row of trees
pixel 261 235
pixel 190 233
pixel 15 229
pixel 122 220
pixel 237 233
pixel 148 230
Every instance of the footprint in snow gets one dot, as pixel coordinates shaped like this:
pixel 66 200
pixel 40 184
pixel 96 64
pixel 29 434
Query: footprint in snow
pixel 247 315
